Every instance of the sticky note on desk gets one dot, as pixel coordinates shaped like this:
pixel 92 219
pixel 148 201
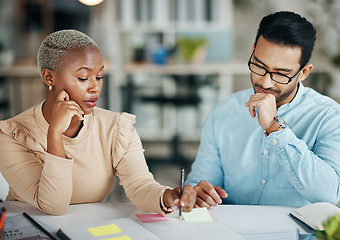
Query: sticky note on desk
pixel 104 230
pixel 197 215
pixel 146 218
pixel 125 237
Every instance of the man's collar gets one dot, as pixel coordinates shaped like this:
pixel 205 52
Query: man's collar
pixel 301 90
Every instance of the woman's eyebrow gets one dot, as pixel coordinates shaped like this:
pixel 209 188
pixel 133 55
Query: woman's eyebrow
pixel 88 69
pixel 83 68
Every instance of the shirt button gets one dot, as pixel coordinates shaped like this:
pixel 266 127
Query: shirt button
pixel 274 141
pixel 263 181
pixel 265 152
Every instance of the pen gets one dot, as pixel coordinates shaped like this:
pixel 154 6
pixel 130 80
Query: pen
pixel 2 218
pixel 180 195
pixel 37 225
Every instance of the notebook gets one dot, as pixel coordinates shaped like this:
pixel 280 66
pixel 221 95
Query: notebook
pixel 18 227
pixel 116 229
pixel 314 215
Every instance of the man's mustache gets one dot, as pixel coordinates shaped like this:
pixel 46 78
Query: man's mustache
pixel 267 89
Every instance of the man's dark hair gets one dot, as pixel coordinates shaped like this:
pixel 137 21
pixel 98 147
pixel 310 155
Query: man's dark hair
pixel 289 29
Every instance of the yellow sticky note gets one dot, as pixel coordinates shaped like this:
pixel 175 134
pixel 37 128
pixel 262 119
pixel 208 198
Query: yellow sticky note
pixel 104 230
pixel 197 215
pixel 124 237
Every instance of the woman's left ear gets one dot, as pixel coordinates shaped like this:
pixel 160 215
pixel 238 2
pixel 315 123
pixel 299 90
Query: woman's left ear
pixel 305 72
pixel 47 77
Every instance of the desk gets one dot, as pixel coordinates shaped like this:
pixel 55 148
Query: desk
pixel 237 217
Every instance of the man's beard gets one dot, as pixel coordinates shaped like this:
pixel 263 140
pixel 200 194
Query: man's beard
pixel 277 93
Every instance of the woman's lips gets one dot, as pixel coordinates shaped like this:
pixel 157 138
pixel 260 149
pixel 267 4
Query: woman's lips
pixel 92 102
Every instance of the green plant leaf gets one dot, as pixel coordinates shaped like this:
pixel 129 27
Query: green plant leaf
pixel 189 46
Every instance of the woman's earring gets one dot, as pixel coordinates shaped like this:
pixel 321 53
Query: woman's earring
pixel 50 87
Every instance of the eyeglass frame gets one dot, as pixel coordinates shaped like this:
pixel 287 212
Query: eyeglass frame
pixel 290 79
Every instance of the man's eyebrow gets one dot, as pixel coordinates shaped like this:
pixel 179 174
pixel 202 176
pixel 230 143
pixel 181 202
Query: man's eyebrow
pixel 288 70
pixel 258 60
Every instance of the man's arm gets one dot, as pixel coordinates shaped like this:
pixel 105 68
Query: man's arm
pixel 314 172
pixel 207 173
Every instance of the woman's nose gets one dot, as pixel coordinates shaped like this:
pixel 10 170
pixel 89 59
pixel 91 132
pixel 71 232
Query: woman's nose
pixel 94 86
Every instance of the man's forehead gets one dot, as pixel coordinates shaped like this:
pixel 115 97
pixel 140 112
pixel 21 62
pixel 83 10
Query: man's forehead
pixel 270 53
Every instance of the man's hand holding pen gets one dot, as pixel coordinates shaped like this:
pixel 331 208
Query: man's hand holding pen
pixel 187 201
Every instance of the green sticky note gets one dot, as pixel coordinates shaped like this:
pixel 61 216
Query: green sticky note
pixel 197 215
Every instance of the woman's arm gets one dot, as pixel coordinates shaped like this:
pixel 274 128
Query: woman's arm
pixel 36 177
pixel 139 184
pixel 64 113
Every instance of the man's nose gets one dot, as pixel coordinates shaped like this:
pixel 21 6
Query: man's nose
pixel 267 81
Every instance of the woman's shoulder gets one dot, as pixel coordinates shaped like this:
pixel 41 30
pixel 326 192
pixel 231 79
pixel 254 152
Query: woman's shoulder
pixel 20 127
pixel 24 120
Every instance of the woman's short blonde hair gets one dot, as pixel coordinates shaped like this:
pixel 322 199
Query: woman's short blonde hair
pixel 55 45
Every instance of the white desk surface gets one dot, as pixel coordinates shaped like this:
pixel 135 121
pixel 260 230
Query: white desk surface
pixel 240 218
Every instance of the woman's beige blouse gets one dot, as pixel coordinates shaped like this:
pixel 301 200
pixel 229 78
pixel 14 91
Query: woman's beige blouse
pixel 106 146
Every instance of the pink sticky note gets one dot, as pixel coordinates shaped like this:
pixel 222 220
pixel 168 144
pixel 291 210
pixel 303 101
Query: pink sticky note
pixel 145 218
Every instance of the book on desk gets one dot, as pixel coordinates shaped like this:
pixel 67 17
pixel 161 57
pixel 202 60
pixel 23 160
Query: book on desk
pixel 314 215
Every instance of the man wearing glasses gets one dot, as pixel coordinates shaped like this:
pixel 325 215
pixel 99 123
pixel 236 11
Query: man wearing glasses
pixel 278 143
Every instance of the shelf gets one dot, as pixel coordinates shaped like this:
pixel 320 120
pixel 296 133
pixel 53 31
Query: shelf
pixel 228 68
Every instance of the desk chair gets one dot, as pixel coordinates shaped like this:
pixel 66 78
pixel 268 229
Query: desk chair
pixel 4 187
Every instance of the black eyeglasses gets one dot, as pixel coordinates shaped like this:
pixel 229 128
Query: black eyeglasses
pixel 275 76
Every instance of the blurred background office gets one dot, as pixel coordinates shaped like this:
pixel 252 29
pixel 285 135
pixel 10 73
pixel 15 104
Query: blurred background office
pixel 166 61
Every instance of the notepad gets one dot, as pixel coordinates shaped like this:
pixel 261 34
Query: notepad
pixel 18 227
pixel 314 215
pixel 197 215
pixel 116 229
pixel 179 229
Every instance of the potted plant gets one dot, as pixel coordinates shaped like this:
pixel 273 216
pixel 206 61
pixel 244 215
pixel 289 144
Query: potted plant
pixel 332 229
pixel 192 50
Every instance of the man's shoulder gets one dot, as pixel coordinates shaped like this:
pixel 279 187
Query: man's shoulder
pixel 320 101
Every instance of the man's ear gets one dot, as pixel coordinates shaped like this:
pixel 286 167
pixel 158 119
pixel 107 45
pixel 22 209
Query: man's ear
pixel 47 77
pixel 305 72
